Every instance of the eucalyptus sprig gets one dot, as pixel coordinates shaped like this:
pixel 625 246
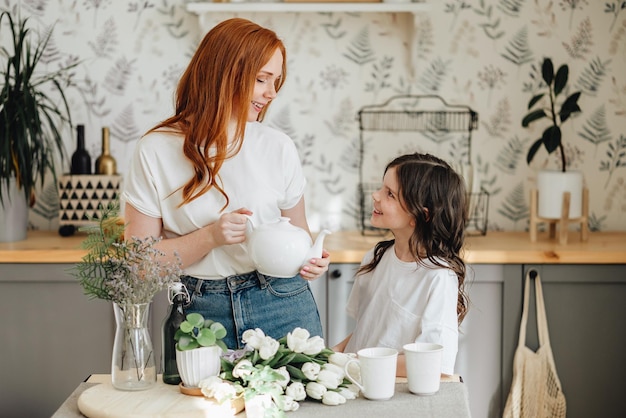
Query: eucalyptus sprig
pixel 119 269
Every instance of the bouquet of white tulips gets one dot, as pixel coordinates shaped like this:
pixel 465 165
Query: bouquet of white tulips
pixel 290 370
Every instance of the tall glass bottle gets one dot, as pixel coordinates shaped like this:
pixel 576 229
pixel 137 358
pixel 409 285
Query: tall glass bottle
pixel 81 161
pixel 178 297
pixel 105 163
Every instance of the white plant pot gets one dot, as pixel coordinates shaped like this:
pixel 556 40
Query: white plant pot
pixel 198 364
pixel 13 213
pixel 551 185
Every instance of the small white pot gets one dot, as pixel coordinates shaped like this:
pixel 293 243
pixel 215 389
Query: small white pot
pixel 198 364
pixel 13 212
pixel 551 185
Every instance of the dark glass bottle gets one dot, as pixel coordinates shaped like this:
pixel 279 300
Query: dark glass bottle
pixel 178 297
pixel 105 163
pixel 81 161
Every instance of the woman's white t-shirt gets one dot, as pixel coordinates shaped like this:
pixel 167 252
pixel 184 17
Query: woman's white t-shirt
pixel 265 177
pixel 403 302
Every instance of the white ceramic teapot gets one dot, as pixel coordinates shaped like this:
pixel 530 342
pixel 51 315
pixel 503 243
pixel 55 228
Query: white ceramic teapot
pixel 280 249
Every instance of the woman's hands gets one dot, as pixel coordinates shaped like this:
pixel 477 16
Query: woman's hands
pixel 230 228
pixel 316 267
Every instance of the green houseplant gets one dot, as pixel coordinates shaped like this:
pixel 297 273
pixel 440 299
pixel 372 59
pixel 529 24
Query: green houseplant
pixel 552 185
pixel 199 347
pixel 33 113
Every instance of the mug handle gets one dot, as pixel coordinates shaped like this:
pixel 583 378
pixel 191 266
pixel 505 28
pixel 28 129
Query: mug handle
pixel 350 378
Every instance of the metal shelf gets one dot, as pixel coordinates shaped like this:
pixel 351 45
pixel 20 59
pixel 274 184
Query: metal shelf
pixel 283 7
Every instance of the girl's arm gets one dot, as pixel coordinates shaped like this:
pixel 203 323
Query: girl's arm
pixel 342 345
pixel 230 228
pixel 316 266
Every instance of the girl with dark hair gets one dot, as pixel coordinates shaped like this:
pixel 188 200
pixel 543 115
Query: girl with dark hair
pixel 411 288
pixel 196 177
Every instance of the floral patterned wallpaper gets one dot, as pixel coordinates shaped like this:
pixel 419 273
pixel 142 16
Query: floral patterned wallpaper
pixel 479 54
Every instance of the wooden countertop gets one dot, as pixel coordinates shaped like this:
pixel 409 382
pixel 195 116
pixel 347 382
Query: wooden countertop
pixel 349 247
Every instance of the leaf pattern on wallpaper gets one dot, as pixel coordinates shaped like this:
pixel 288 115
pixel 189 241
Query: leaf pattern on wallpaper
pixel 464 40
pixel 431 79
pixel 591 77
pixel 97 5
pixel 536 81
pixel 342 123
pixel 581 42
pixel 497 125
pixel 51 53
pixel 124 127
pixel 333 29
pixel 619 101
pixel 595 128
pixel 491 24
pixel 614 7
pixel 595 223
pixel 423 41
pixel 518 51
pixel 545 19
pixel 380 76
pixel 96 103
pixel 175 26
pixel 512 154
pixel 514 207
pixel 490 78
pixel 349 158
pixel 485 180
pixel 326 176
pixel 616 154
pixel 118 76
pixel 106 41
pixel 47 202
pixel 139 7
pixel 572 6
pixel 615 198
pixel 511 7
pixel 455 8
pixel 617 44
pixel 360 49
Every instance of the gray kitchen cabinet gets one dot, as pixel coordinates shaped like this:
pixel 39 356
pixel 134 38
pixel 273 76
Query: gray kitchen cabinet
pixel 586 312
pixel 479 357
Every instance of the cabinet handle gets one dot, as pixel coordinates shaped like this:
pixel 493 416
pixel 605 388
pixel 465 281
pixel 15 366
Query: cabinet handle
pixel 335 274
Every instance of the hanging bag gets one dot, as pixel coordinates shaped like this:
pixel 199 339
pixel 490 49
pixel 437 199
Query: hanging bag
pixel 535 390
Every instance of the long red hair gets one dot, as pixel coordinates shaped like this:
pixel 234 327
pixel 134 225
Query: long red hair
pixel 218 82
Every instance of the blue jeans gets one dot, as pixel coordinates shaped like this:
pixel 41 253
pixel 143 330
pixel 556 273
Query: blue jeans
pixel 253 300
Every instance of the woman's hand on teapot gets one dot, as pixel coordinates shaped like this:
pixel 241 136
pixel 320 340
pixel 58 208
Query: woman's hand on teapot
pixel 230 228
pixel 316 267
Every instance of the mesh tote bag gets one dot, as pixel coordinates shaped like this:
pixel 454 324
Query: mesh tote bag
pixel 536 390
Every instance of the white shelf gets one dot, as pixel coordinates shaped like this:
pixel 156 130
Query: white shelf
pixel 282 7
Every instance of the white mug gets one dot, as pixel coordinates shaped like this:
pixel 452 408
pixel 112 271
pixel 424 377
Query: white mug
pixel 378 372
pixel 423 367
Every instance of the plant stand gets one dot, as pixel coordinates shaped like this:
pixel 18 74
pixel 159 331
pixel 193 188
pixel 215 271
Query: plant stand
pixel 563 221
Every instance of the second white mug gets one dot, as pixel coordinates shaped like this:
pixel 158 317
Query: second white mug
pixel 423 367
pixel 378 372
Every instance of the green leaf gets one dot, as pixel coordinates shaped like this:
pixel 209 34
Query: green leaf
pixel 569 106
pixel 561 79
pixel 219 330
pixel 534 100
pixel 551 138
pixel 547 71
pixel 533 116
pixel 195 319
pixel 206 337
pixel 533 150
pixel 186 327
pixel 295 372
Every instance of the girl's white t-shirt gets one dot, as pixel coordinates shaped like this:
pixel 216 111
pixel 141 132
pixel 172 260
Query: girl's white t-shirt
pixel 403 302
pixel 265 176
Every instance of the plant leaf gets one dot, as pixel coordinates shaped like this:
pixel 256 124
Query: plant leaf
pixel 534 100
pixel 533 150
pixel 547 71
pixel 551 138
pixel 196 320
pixel 561 79
pixel 533 116
pixel 206 337
pixel 569 106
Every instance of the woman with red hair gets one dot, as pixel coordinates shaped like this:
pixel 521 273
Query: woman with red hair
pixel 197 176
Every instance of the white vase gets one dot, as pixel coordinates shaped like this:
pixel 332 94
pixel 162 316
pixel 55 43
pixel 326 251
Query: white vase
pixel 13 212
pixel 551 185
pixel 198 364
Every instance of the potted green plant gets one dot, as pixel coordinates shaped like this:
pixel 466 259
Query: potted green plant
pixel 33 113
pixel 552 184
pixel 199 346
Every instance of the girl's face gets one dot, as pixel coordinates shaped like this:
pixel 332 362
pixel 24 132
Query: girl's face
pixel 264 86
pixel 388 213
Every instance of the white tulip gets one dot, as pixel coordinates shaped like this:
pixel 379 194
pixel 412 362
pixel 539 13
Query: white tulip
pixel 339 371
pixel 314 345
pixel 253 337
pixel 286 377
pixel 339 359
pixel 329 379
pixel 310 370
pixel 289 404
pixel 347 393
pixel 296 391
pixel 297 340
pixel 207 386
pixel 333 398
pixel 238 372
pixel 268 347
pixel 315 390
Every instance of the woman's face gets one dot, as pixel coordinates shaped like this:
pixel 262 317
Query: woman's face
pixel 388 212
pixel 264 90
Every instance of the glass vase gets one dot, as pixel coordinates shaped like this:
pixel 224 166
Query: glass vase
pixel 132 365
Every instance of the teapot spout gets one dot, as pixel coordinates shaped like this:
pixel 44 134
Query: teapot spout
pixel 318 245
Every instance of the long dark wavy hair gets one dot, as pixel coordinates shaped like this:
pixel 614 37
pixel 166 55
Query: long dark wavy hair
pixel 435 195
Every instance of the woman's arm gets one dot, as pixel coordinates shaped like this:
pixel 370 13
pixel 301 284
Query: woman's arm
pixel 230 228
pixel 342 345
pixel 316 266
